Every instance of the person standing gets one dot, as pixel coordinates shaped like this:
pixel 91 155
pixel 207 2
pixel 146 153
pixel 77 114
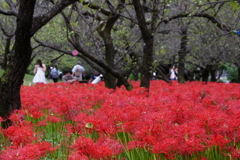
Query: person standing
pixel 39 72
pixel 172 73
pixel 78 71
pixel 54 74
pixel 176 73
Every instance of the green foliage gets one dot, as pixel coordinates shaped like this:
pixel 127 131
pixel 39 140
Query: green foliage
pixel 232 74
pixel 234 4
pixel 121 33
pixel 155 65
pixel 231 70
pixel 27 79
pixel 1 72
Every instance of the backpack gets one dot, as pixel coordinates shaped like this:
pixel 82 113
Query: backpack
pixel 54 74
pixel 77 72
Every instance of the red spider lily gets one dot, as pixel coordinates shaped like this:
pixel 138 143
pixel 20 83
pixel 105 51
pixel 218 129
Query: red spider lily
pixel 78 156
pixel 168 145
pixel 85 146
pixel 20 135
pixel 114 145
pixel 70 129
pixel 149 139
pixel 132 126
pixel 236 153
pixel 135 144
pixel 28 152
pixel 180 119
pixel 104 147
pixel 41 123
pixel 102 124
pixel 53 119
pixel 17 117
pixel 36 114
pixel 218 140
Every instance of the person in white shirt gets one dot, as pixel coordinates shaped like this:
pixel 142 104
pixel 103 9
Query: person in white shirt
pixel 172 73
pixel 78 71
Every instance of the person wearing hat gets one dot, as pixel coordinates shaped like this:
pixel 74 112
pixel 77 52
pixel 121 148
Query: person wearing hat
pixel 78 71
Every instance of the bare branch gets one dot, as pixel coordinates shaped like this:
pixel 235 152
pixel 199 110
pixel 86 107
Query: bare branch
pixel 11 5
pixel 202 15
pixel 5 32
pixel 40 21
pixel 95 7
pixel 12 12
pixel 8 13
pixel 56 48
pixel 129 49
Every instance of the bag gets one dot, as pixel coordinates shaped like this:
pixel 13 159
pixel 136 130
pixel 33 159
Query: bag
pixel 77 72
pixel 54 74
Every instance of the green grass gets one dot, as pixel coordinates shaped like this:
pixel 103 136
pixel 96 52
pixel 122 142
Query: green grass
pixel 27 79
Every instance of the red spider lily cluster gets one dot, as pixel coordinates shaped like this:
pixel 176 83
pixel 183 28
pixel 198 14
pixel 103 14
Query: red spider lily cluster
pixel 86 121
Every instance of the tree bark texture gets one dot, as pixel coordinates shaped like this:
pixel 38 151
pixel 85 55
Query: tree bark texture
pixel 213 75
pixel 12 78
pixel 105 33
pixel 205 73
pixel 148 40
pixel 239 74
pixel 181 56
pixel 147 63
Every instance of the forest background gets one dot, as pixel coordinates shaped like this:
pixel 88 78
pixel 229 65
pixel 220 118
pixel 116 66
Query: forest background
pixel 118 38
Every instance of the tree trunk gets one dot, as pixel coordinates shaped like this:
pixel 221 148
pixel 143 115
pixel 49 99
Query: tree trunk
pixel 205 74
pixel 148 39
pixel 181 68
pixel 147 63
pixel 135 76
pixel 239 74
pixel 182 54
pixel 213 75
pixel 12 78
pixel 109 79
pixel 104 65
pixel 105 33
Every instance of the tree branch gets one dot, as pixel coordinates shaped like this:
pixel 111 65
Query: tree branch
pixel 40 21
pixel 12 12
pixel 103 11
pixel 202 15
pixel 8 13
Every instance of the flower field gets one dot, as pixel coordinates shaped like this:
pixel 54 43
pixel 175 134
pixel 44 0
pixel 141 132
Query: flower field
pixel 191 121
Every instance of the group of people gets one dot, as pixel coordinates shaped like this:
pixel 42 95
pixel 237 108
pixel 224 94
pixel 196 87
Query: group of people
pixel 76 74
pixel 70 76
pixel 174 73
